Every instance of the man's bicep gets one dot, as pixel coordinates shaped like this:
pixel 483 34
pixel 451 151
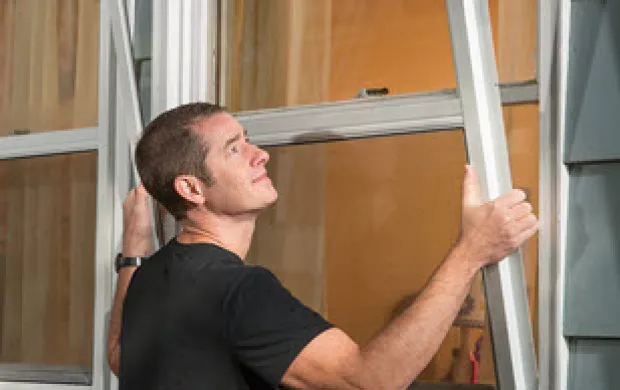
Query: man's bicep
pixel 330 360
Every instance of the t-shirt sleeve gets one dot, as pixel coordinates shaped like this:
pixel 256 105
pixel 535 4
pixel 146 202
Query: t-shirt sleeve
pixel 268 327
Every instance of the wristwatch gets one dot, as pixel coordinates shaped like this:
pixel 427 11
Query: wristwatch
pixel 121 262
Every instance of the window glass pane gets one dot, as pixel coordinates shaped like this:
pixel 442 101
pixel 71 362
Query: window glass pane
pixel 49 53
pixel 286 53
pixel 359 227
pixel 47 248
pixel 361 224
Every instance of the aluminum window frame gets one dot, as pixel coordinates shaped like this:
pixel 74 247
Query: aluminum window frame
pixel 553 52
pixel 419 112
pixel 49 143
pixel 505 287
pixel 184 62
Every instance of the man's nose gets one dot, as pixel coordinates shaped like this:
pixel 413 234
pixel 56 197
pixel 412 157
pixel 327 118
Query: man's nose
pixel 259 156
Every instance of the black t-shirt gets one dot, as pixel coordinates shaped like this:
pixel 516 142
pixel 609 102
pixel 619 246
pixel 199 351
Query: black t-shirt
pixel 196 317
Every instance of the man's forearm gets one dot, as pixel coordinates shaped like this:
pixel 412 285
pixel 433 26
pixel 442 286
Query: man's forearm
pixel 396 356
pixel 137 242
pixel 116 314
pixel 114 332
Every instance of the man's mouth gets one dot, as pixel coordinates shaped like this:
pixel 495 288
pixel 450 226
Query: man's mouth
pixel 260 178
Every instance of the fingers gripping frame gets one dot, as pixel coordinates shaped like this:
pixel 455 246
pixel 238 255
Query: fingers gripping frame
pixel 477 81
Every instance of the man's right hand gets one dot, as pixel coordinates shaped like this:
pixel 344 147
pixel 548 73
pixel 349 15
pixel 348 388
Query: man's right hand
pixel 494 229
pixel 137 230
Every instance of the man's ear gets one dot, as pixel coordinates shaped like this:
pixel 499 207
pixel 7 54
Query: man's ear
pixel 190 188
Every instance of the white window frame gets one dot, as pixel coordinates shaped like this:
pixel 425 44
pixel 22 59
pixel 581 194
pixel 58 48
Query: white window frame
pixel 184 62
pixel 505 286
pixel 553 52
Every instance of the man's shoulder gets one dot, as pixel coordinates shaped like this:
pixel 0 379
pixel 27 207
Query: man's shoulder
pixel 252 283
pixel 254 277
pixel 246 277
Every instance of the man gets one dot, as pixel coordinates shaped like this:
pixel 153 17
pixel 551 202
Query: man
pixel 196 317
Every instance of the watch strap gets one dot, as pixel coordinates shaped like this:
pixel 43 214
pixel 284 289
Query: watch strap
pixel 127 261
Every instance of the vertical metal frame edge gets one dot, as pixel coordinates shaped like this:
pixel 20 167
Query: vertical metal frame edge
pixel 204 73
pixel 102 376
pixel 158 68
pixel 562 197
pixel 553 189
pixel 222 51
pixel 477 83
pixel 167 55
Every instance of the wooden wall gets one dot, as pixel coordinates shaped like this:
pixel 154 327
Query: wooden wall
pixel 312 51
pixel 47 262
pixel 48 81
pixel 48 64
pixel 392 213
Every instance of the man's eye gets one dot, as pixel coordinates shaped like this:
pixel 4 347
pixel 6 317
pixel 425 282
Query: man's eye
pixel 234 149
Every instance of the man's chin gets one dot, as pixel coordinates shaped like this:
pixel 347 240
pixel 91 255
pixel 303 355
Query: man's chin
pixel 270 202
pixel 268 198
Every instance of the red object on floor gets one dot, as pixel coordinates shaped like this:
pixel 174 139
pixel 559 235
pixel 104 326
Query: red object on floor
pixel 475 366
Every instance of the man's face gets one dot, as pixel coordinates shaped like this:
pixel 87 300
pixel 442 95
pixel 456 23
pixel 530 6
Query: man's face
pixel 237 167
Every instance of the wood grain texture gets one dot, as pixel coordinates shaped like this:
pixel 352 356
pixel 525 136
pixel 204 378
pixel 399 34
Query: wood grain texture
pixel 48 81
pixel 392 214
pixel 48 65
pixel 48 261
pixel 516 34
pixel 278 48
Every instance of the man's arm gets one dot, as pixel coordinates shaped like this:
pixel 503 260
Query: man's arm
pixel 137 242
pixel 396 355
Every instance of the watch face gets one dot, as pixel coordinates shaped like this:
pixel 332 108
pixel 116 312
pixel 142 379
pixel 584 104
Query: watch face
pixel 126 261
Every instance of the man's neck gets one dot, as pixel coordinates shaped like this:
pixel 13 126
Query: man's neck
pixel 233 233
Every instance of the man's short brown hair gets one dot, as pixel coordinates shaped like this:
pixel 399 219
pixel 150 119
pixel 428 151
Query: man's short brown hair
pixel 169 147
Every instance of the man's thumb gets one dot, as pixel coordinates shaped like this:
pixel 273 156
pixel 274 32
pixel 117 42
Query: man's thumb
pixel 472 195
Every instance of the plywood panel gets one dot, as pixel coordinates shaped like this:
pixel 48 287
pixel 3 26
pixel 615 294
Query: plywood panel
pixel 48 260
pixel 80 245
pixel 48 65
pixel 279 48
pixel 279 53
pixel 399 44
pixel 515 39
pixel 392 214
pixel 48 81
